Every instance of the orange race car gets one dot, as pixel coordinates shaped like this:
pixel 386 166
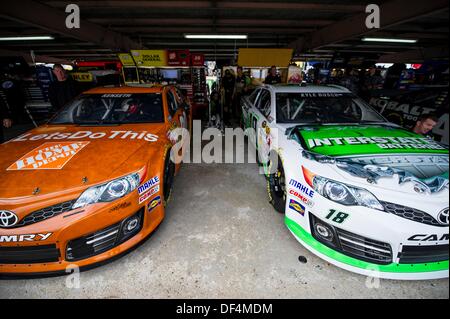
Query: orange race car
pixel 92 183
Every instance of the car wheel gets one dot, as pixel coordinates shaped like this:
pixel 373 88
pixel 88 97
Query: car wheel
pixel 169 173
pixel 276 187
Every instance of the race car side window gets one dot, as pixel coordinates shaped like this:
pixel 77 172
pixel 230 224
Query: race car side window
pixel 172 101
pixel 253 96
pixel 264 103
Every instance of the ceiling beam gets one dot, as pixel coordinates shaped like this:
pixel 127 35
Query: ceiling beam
pixel 416 56
pixel 230 29
pixel 392 13
pixel 220 5
pixel 51 19
pixel 209 22
pixel 38 58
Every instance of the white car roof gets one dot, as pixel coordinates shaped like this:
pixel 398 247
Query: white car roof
pixel 295 88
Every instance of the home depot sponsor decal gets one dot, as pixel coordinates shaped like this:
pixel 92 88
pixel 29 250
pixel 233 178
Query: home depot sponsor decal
pixel 131 135
pixel 48 156
pixel 148 194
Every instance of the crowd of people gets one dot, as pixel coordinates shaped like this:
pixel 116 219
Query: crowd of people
pixel 225 99
pixel 61 90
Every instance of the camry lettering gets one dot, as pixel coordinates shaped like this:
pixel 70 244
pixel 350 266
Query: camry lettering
pixel 132 135
pixel 24 238
pixel 426 237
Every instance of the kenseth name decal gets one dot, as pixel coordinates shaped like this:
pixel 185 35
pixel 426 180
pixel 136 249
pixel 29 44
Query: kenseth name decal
pixel 381 142
pixel 131 135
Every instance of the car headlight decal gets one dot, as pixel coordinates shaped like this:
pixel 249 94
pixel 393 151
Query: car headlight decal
pixel 110 191
pixel 341 193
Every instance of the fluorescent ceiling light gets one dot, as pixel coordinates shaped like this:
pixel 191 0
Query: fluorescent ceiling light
pixel 389 40
pixel 216 36
pixel 27 38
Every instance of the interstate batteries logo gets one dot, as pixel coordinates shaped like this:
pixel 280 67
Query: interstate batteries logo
pixel 48 156
pixel 351 140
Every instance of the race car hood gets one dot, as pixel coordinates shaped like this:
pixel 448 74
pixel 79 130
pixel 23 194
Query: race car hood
pixel 351 141
pixel 57 158
pixel 373 151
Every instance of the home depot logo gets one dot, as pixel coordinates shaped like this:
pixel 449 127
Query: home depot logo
pixel 48 156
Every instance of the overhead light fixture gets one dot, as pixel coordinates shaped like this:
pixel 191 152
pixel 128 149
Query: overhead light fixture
pixel 27 38
pixel 392 40
pixel 217 36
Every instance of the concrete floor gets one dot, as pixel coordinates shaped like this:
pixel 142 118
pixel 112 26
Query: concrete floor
pixel 220 239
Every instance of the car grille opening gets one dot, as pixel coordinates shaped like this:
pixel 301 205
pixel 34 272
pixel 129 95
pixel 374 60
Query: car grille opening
pixel 423 254
pixel 354 245
pixel 364 248
pixel 29 255
pixel 46 213
pixel 103 240
pixel 411 214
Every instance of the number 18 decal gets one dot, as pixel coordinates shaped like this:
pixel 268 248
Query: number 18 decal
pixel 337 217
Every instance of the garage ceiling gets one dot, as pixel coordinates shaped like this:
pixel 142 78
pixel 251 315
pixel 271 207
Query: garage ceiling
pixel 315 28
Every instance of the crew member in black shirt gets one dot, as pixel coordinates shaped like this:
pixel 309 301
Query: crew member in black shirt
pixel 62 90
pixel 5 121
pixel 273 77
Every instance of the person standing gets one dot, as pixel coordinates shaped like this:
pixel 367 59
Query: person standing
pixel 273 77
pixel 228 84
pixel 62 90
pixel 241 86
pixel 5 121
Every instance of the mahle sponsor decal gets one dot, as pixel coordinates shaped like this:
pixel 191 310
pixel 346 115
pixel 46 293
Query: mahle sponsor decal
pixel 130 135
pixel 24 238
pixel 148 184
pixel 302 188
pixel 48 156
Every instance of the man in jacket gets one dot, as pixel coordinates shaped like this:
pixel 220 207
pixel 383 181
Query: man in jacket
pixel 5 121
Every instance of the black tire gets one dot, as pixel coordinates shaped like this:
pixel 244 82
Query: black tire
pixel 276 187
pixel 169 173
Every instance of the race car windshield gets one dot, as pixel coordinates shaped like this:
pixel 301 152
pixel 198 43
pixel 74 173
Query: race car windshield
pixel 324 108
pixel 99 109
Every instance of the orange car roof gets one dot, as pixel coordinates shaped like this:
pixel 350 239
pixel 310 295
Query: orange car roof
pixel 127 89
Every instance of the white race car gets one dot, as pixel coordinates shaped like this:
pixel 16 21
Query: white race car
pixel 364 194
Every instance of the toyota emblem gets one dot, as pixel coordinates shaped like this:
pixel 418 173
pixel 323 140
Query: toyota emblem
pixel 9 219
pixel 443 217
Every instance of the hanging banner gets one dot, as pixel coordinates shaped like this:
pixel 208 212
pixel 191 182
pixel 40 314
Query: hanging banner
pixel 82 76
pixel 126 59
pixel 178 58
pixel 149 57
pixel 197 59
